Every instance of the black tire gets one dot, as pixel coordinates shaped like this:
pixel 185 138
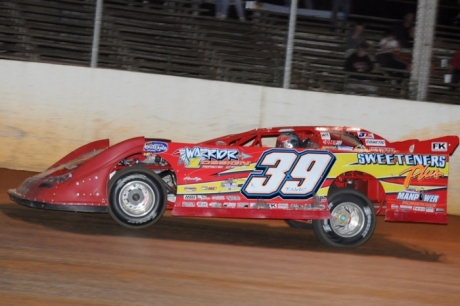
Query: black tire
pixel 137 197
pixel 352 220
pixel 299 224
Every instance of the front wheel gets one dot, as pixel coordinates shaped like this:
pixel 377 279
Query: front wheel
pixel 352 220
pixel 137 197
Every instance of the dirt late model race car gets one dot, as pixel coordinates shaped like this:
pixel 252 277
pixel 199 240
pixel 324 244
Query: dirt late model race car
pixel 336 179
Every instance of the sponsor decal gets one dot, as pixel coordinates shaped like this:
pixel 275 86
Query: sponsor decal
pixel 409 195
pixel 233 198
pixel 218 197
pixel 215 205
pixel 414 195
pixel 394 206
pixel 420 173
pixel 190 189
pixel 365 135
pixel 203 197
pixel 242 205
pixel 233 163
pixel 320 199
pixel 345 148
pixel 402 159
pixel 229 184
pixel 283 206
pixel 325 136
pixel 272 206
pixel 375 142
pixel 189 197
pixel 188 204
pixel 197 156
pixel 382 150
pixel 195 179
pixel 230 204
pixel 430 209
pixel 419 208
pixel 260 205
pixel 208 188
pixel 315 206
pixel 418 203
pixel 285 130
pixel 441 210
pixel 439 146
pixel 156 147
pixel 297 206
pixel 201 204
pixel 405 207
pixel 332 142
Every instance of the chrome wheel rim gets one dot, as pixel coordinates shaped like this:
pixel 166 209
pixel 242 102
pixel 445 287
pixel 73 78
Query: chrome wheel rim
pixel 347 219
pixel 136 199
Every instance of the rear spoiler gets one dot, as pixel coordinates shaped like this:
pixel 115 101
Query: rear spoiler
pixel 445 145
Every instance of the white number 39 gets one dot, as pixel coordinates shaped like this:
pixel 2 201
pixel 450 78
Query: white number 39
pixel 288 174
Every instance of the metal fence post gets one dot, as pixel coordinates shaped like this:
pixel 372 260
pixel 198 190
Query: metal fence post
pixel 423 46
pixel 290 44
pixel 96 33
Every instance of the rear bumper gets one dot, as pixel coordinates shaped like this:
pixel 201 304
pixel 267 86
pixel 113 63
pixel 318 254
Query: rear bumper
pixel 37 204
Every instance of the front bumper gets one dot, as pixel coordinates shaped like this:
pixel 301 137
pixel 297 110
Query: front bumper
pixel 16 197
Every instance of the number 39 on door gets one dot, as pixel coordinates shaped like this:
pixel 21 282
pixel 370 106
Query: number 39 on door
pixel 288 174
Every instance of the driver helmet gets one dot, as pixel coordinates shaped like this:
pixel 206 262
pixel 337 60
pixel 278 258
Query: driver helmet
pixel 288 140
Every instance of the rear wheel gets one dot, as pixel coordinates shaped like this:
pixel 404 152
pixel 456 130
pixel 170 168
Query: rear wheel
pixel 352 220
pixel 137 197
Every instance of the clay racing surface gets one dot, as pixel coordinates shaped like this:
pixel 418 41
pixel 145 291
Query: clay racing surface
pixel 64 258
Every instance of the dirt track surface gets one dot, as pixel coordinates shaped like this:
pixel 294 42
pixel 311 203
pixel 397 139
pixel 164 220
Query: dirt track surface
pixel 64 258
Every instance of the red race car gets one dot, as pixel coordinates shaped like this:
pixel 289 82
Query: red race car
pixel 333 179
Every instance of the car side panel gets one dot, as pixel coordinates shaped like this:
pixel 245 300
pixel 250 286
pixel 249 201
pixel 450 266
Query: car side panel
pixel 218 181
pixel 213 181
pixel 415 184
